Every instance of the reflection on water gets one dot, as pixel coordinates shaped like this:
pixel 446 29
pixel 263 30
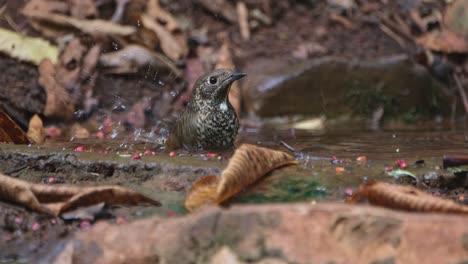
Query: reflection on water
pixel 378 145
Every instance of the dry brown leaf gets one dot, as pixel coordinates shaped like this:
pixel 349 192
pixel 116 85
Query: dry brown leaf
pixel 225 61
pixel 68 69
pixel 243 15
pixel 248 164
pixel 154 10
pixel 91 26
pixel 456 17
pixel 220 7
pixel 79 131
pixel 169 43
pixel 58 103
pixel 59 199
pixel 90 61
pixel 46 7
pixel 83 8
pixel 445 41
pixel 10 132
pixel 406 198
pixel 132 57
pixel 36 132
pixel 202 192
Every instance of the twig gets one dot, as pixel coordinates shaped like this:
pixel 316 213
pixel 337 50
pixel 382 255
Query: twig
pixel 462 92
pixel 392 34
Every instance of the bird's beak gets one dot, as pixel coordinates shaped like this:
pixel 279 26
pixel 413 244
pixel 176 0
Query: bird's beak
pixel 236 76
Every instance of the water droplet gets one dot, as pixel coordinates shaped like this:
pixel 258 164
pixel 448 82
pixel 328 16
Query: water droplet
pixel 115 46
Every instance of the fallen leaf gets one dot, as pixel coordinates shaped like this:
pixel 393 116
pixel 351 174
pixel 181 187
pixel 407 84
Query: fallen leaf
pixel 317 123
pixel 456 17
pixel 58 102
pixel 225 61
pixel 248 164
pixel 46 6
pixel 243 16
pixel 57 199
pixel 36 132
pixel 83 8
pixel 444 41
pixel 10 132
pixel 79 132
pixel 133 57
pixel 154 10
pixel 169 43
pixel 91 26
pixel 84 213
pixel 68 70
pixel 202 192
pixel 402 173
pixel 406 198
pixel 220 8
pixel 26 48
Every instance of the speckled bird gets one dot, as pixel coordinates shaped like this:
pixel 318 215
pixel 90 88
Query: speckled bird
pixel 209 122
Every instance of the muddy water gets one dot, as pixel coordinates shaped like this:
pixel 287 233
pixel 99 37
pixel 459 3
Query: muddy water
pixel 316 178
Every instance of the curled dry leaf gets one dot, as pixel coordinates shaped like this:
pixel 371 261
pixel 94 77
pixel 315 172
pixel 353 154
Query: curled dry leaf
pixel 154 10
pixel 68 69
pixel 171 46
pixel 202 192
pixel 243 15
pixel 36 132
pixel 10 132
pixel 225 61
pixel 58 103
pixel 59 199
pixel 46 6
pixel 406 198
pixel 90 26
pixel 220 7
pixel 248 164
pixel 456 17
pixel 133 57
pixel 83 8
pixel 26 48
pixel 444 41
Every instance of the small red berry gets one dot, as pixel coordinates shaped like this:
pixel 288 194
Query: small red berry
pixel 149 152
pixel 80 149
pixel 136 156
pixel 172 154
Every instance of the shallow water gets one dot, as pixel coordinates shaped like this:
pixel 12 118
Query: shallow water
pixel 317 177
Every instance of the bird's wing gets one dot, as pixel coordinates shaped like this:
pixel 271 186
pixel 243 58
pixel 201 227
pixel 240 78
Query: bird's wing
pixel 184 132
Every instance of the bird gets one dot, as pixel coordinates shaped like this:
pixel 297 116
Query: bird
pixel 209 122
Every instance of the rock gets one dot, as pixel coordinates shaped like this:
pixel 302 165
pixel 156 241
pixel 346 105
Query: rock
pixel 337 86
pixel 288 233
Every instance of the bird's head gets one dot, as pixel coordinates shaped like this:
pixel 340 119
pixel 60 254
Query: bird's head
pixel 213 87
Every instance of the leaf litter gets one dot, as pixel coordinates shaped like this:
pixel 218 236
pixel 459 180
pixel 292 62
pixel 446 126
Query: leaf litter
pixel 58 199
pixel 248 164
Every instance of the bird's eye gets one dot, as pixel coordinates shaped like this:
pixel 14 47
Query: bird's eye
pixel 213 80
